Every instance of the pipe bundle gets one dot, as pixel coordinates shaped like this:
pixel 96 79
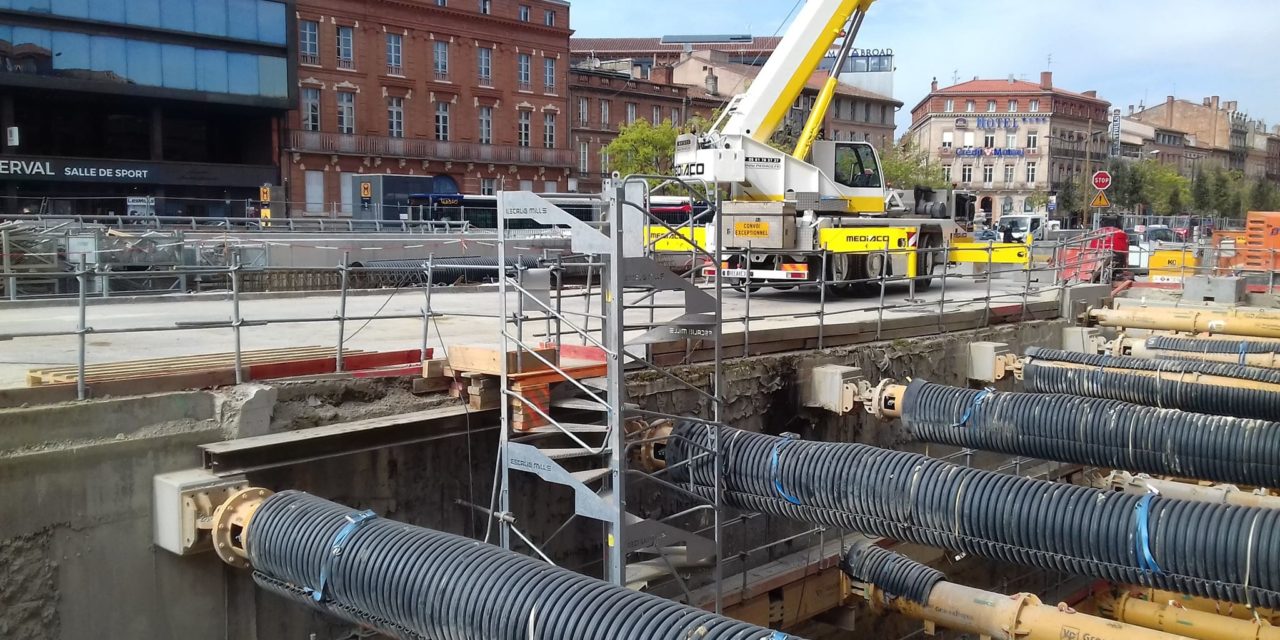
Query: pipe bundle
pixel 1096 432
pixel 1218 551
pixel 412 583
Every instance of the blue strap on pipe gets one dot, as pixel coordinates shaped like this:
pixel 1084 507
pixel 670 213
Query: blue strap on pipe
pixel 354 522
pixel 1102 368
pixel 778 635
pixel 786 439
pixel 1244 349
pixel 1146 561
pixel 973 406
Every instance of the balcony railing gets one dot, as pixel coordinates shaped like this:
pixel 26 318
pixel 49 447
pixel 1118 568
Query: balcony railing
pixel 442 75
pixel 395 70
pixel 346 63
pixel 309 58
pixel 524 86
pixel 322 142
pixel 486 80
pixel 548 88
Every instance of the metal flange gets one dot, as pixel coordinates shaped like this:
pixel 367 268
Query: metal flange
pixel 231 525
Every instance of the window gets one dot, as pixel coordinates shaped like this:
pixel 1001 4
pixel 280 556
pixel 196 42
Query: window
pixel 308 42
pixel 584 105
pixel 310 109
pixel 346 112
pixel 486 7
pixel 950 105
pixel 346 48
pixel 989 141
pixel 486 125
pixel 1033 139
pixel 1008 173
pixel 525 12
pixel 1013 106
pixel 488 187
pixel 991 106
pixel 948 139
pixel 605 122
pixel 657 115
pixel 947 172
pixel 484 66
pixel 604 160
pixel 442 3
pixel 988 173
pixel 584 157
pixel 966 173
pixel 442 121
pixel 315 191
pixel 395 117
pixel 549 130
pixel 1011 141
pixel 1034 106
pixel 856 167
pixel 395 54
pixel 675 116
pixel 526 185
pixel 345 178
pixel 1031 173
pixel 523 127
pixel 968 106
pixel 866 112
pixel 968 138
pixel 524 73
pixel 631 112
pixel 549 17
pixel 442 60
pixel 550 186
pixel 549 75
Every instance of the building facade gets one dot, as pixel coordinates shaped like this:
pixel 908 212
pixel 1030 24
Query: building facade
pixel 474 93
pixel 651 53
pixel 1220 132
pixel 854 114
pixel 1012 141
pixel 118 106
pixel 603 100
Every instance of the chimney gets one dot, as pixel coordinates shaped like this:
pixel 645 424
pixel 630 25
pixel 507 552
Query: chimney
pixel 1046 80
pixel 713 83
pixel 1130 109
pixel 1213 102
pixel 1231 106
pixel 1091 93
pixel 934 87
pixel 663 74
pixel 1208 101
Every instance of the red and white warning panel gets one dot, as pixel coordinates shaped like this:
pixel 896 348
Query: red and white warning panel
pixel 784 272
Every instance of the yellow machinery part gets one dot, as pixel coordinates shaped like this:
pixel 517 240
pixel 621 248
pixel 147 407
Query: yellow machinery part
pixel 1191 623
pixel 1172 265
pixel 990 253
pixel 660 240
pixel 1235 322
pixel 895 240
pixel 1196 603
pixel 1018 617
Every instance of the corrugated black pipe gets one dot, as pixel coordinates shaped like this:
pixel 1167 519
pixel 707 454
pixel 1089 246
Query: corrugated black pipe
pixel 896 574
pixel 1095 431
pixel 411 583
pixel 1120 379
pixel 1211 550
pixel 409 273
pixel 1203 345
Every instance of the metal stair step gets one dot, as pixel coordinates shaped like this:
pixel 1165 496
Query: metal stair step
pixel 570 427
pixel 590 475
pixel 565 454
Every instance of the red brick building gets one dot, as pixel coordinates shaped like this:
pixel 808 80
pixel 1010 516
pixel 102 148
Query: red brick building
pixel 604 100
pixel 475 91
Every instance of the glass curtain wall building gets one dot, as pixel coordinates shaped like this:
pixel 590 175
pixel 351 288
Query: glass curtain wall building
pixel 178 101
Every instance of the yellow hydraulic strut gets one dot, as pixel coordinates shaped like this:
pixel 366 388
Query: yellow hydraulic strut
pixel 1236 322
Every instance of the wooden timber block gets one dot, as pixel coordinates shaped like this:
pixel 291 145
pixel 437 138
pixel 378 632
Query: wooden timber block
pixel 482 359
pixel 484 402
pixel 431 385
pixel 481 380
pixel 434 368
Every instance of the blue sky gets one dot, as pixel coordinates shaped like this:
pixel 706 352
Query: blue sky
pixel 1129 50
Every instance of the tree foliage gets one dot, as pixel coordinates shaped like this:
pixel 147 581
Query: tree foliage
pixel 643 148
pixel 907 165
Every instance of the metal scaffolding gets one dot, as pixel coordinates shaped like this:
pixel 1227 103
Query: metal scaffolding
pixel 636 548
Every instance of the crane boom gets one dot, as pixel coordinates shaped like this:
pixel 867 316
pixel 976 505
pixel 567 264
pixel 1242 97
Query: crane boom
pixel 758 112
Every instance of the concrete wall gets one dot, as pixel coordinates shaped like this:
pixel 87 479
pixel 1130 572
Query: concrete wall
pixel 76 547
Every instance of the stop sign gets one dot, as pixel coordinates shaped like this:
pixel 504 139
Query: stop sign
pixel 1102 180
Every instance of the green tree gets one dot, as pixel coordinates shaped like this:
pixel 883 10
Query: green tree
pixel 907 166
pixel 1175 202
pixel 1220 192
pixel 1038 201
pixel 643 148
pixel 1201 197
pixel 1262 196
pixel 1121 196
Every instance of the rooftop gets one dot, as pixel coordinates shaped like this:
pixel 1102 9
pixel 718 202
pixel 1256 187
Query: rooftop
pixel 656 45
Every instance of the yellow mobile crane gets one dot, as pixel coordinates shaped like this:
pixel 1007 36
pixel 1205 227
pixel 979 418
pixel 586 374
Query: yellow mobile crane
pixel 784 209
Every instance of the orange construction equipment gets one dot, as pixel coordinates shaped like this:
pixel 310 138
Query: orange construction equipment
pixel 1257 248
